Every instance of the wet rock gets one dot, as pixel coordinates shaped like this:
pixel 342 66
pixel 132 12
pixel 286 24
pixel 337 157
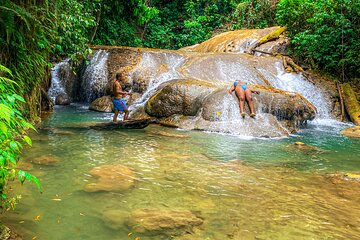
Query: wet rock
pixel 111 178
pixel 183 97
pixel 47 160
pixel 353 132
pixel 102 104
pixel 62 99
pixel 163 222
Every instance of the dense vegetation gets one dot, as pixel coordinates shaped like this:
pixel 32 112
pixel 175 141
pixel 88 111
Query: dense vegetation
pixel 325 34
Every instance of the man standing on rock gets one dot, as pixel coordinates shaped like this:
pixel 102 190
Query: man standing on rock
pixel 119 94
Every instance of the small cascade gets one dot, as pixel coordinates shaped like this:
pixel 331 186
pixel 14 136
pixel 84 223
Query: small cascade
pixel 158 67
pixel 95 77
pixel 297 83
pixel 57 82
pixel 230 121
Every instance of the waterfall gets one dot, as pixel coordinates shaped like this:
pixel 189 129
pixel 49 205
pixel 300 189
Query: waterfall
pixel 95 77
pixel 297 83
pixel 57 82
pixel 158 67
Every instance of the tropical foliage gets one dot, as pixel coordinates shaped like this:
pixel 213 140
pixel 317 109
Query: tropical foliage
pixel 324 33
pixel 13 130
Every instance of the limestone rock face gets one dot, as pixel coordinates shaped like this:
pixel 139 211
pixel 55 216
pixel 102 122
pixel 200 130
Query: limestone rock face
pixel 193 104
pixel 237 41
pixel 102 104
pixel 62 99
pixel 179 97
pixel 111 178
pixel 162 222
pixel 352 132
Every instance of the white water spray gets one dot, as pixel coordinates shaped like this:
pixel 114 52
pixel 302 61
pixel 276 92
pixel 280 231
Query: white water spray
pixel 95 76
pixel 57 87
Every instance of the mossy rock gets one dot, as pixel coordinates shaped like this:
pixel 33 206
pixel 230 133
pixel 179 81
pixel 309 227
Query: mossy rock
pixel 351 103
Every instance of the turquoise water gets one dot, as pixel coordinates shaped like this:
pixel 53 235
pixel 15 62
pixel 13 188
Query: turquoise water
pixel 240 188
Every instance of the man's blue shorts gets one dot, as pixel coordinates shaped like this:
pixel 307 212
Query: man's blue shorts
pixel 119 104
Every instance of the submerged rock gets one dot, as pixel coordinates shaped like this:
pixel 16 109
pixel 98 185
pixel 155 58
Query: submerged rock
pixel 300 146
pixel 46 160
pixel 111 178
pixel 163 222
pixel 352 132
pixel 102 104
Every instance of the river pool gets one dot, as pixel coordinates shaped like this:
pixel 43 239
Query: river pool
pixel 239 188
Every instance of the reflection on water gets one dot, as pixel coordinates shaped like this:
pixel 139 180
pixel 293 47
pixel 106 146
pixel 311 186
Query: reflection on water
pixel 241 189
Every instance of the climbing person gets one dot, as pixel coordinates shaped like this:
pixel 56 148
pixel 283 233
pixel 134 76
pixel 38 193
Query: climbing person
pixel 119 94
pixel 243 92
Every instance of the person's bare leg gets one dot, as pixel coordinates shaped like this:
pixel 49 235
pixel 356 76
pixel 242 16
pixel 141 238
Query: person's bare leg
pixel 126 116
pixel 115 115
pixel 240 93
pixel 249 99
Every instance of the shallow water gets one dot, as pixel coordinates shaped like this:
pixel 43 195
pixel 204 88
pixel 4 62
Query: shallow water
pixel 241 188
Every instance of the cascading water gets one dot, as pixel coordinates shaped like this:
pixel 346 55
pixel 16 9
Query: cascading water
pixel 159 67
pixel 95 77
pixel 297 83
pixel 57 85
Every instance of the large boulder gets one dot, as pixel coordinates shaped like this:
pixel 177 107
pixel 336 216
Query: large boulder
pixel 204 106
pixel 102 104
pixel 183 96
pixel 163 222
pixel 111 178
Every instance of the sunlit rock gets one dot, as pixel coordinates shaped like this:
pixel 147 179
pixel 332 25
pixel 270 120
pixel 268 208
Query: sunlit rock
pixel 353 132
pixel 46 160
pixel 163 222
pixel 111 178
pixel 237 41
pixel 102 104
pixel 179 97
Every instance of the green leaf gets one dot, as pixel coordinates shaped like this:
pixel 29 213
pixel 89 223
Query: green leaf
pixel 13 145
pixel 27 140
